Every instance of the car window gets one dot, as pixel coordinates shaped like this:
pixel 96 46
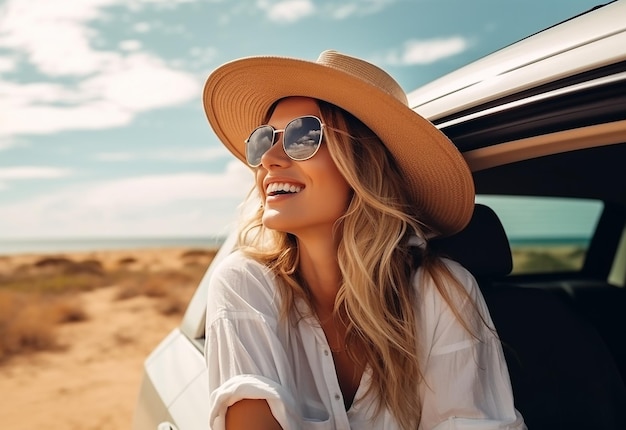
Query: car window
pixel 546 234
pixel 617 275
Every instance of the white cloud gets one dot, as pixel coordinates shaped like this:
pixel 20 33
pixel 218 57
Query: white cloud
pixel 111 87
pixel 176 204
pixel 141 82
pixel 32 172
pixel 130 85
pixel 179 155
pixel 203 52
pixel 53 35
pixel 7 64
pixel 130 194
pixel 29 113
pixel 201 58
pixel 142 27
pixel 16 173
pixel 427 51
pixel 287 11
pixel 8 143
pixel 130 45
pixel 201 155
pixel 343 10
pixel 163 4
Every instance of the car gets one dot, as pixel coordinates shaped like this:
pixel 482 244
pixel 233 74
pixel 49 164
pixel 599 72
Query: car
pixel 542 125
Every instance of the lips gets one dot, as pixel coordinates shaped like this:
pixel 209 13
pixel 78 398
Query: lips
pixel 277 188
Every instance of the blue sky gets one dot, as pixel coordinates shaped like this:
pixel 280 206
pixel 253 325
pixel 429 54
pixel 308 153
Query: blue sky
pixel 102 132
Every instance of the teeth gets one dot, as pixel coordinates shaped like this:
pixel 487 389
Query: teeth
pixel 282 187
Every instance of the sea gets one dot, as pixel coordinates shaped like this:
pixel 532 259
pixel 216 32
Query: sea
pixel 46 246
pixel 576 241
pixel 36 246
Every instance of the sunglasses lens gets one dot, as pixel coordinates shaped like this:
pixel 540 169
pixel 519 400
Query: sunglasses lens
pixel 302 137
pixel 259 142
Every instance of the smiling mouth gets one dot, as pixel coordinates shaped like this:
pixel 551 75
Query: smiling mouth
pixel 278 188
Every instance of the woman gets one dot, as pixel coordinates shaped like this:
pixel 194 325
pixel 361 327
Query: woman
pixel 333 313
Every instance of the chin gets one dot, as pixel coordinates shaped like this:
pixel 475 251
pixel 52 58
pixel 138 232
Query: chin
pixel 273 221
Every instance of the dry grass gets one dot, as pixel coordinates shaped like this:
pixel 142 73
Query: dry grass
pixel 68 309
pixel 37 296
pixel 156 284
pixel 27 323
pixel 537 259
pixel 172 304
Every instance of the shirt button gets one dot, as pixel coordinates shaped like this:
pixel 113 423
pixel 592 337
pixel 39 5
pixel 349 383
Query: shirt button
pixel 337 397
pixel 326 352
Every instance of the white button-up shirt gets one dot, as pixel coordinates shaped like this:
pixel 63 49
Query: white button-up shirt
pixel 252 353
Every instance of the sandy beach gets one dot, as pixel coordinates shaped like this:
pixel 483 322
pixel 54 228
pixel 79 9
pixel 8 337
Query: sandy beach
pixel 89 378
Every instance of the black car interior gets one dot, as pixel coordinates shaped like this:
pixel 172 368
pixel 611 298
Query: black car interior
pixel 563 373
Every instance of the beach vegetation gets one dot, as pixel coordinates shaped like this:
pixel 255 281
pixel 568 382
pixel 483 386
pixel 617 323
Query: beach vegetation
pixel 39 295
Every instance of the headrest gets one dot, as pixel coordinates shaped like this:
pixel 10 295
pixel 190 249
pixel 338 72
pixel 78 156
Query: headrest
pixel 482 247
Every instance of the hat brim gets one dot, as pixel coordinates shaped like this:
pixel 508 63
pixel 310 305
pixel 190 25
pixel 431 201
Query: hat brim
pixel 239 94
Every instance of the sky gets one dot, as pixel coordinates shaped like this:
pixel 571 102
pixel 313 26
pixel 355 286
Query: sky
pixel 102 130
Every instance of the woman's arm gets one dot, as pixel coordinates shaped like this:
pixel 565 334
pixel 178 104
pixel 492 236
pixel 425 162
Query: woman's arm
pixel 247 363
pixel 251 414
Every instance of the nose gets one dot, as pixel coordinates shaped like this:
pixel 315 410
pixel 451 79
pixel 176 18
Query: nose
pixel 275 156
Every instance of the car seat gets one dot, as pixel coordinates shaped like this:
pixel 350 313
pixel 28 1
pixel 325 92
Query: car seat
pixel 562 374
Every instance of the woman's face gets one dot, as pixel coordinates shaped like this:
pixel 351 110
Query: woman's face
pixel 321 193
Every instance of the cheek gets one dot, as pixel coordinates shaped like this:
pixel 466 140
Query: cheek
pixel 334 181
pixel 346 195
pixel 258 177
pixel 338 189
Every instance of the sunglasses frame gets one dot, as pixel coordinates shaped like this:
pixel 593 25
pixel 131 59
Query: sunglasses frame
pixel 274 139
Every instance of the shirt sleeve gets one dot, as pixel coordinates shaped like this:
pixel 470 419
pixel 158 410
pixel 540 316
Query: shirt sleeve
pixel 466 380
pixel 244 353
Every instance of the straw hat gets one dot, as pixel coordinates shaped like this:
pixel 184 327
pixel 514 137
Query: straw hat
pixel 238 95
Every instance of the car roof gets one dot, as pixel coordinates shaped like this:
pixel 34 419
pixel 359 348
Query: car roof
pixel 544 116
pixel 597 36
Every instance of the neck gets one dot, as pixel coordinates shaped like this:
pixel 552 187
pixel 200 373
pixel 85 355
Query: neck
pixel 320 270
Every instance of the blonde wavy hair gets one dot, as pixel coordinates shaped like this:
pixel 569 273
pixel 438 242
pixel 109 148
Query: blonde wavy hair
pixel 376 300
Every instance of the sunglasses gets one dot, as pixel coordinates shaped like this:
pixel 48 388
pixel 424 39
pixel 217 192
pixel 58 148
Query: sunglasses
pixel 302 138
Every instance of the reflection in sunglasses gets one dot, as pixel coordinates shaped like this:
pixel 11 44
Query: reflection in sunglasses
pixel 301 139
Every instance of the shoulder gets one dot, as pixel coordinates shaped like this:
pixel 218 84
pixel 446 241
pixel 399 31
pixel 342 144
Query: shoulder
pixel 450 274
pixel 450 300
pixel 462 275
pixel 448 289
pixel 240 282
pixel 238 265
